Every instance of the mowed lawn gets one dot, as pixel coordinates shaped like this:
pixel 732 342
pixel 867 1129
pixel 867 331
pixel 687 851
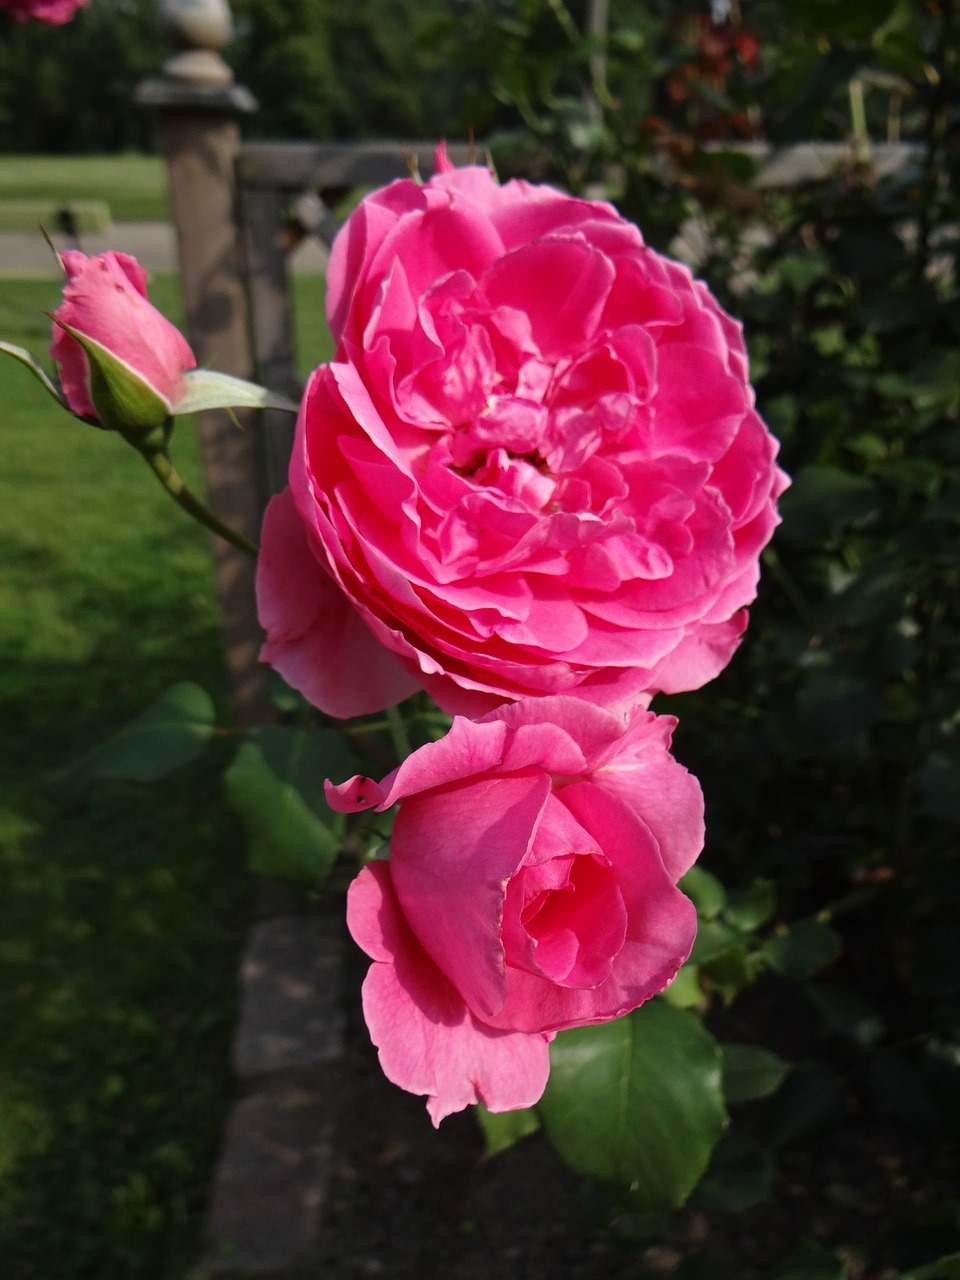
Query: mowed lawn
pixel 120 919
pixel 133 186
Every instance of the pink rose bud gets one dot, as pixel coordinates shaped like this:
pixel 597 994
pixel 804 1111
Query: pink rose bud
pixel 122 364
pixel 56 12
pixel 531 887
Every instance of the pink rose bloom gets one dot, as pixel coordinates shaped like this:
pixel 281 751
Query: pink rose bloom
pixel 105 301
pixel 55 12
pixel 534 466
pixel 531 887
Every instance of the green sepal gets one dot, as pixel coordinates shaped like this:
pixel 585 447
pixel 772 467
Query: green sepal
pixel 208 389
pixel 123 398
pixel 36 368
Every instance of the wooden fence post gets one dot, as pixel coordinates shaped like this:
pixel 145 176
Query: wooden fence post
pixel 261 217
pixel 201 140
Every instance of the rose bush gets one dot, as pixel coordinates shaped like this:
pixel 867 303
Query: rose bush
pixel 121 362
pixel 533 467
pixel 55 12
pixel 531 887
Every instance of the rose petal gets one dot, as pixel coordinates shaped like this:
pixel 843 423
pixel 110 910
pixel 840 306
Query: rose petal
pixel 428 1041
pixel 661 926
pixel 316 640
pixel 641 771
pixel 453 850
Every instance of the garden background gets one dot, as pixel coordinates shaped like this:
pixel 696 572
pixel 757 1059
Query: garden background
pixel 828 751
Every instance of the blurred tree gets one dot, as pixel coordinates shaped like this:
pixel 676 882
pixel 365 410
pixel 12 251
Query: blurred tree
pixel 324 69
pixel 70 88
pixel 318 68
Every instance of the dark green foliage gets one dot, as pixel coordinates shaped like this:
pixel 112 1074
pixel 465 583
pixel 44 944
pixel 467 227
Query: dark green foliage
pixel 319 69
pixel 322 69
pixel 829 750
pixel 849 677
pixel 70 88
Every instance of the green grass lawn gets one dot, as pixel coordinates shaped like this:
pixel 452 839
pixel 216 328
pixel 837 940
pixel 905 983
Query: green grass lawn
pixel 119 921
pixel 133 186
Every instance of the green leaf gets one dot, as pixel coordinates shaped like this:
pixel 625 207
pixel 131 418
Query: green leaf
pixel 808 1103
pixel 275 783
pixel 885 310
pixel 846 1014
pixel 208 389
pixel 853 20
pixel 502 1129
pixel 799 270
pixel 170 733
pixel 869 251
pixel 878 590
pixel 837 705
pixel 36 368
pixel 750 1072
pixel 822 499
pixel 730 971
pixel 749 908
pixel 637 1104
pixel 914 477
pixel 685 991
pixel 809 1262
pixel 931 383
pixel 739 1177
pixel 705 891
pixel 714 939
pixel 802 949
pixel 781 414
pixel 945 1268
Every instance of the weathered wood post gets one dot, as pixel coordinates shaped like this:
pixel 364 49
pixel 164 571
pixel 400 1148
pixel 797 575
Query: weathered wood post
pixel 198 105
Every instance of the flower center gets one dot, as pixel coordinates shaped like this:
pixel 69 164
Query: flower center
pixel 566 919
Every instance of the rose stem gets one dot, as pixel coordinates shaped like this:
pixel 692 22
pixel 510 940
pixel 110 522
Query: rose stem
pixel 161 466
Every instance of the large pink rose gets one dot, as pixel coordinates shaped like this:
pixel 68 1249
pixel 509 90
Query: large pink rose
pixel 534 466
pixel 105 305
pixel 55 12
pixel 531 887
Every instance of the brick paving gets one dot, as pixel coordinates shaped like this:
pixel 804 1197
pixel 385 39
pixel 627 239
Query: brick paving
pixel 271 1181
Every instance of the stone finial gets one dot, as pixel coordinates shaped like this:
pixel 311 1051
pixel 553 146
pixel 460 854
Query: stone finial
pixel 199 28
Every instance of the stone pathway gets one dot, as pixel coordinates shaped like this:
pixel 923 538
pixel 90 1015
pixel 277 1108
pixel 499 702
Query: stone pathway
pixel 153 244
pixel 270 1185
